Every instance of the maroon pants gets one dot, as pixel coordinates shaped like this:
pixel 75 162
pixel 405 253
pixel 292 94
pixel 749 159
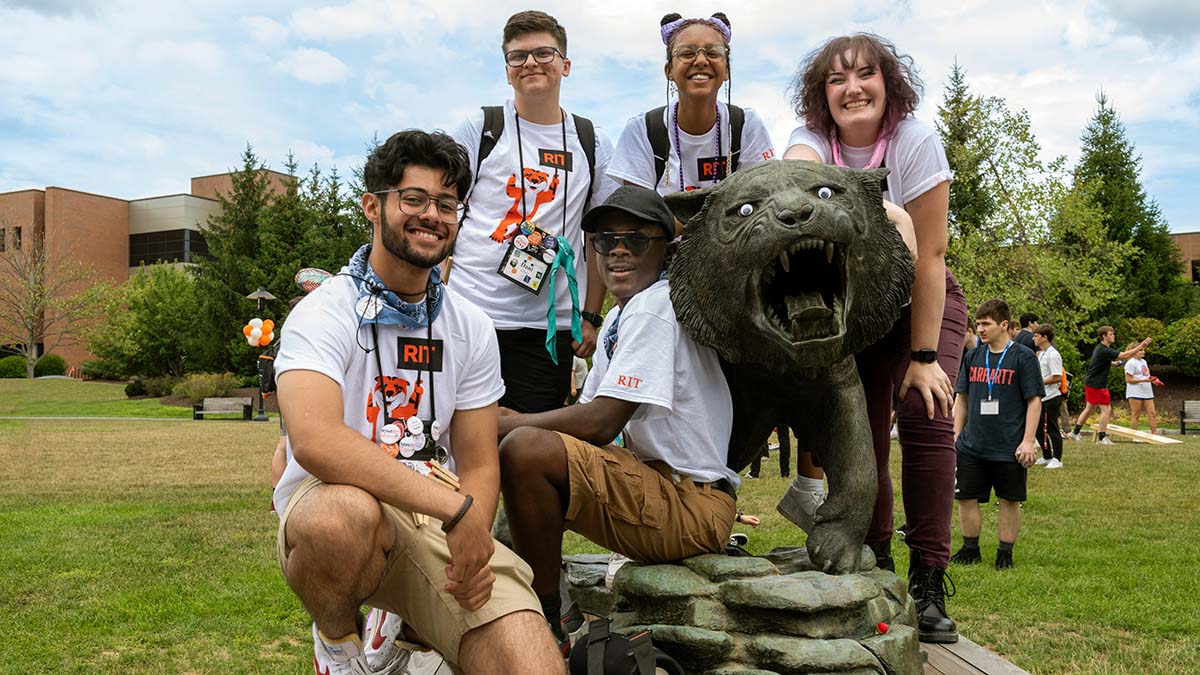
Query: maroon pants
pixel 927 446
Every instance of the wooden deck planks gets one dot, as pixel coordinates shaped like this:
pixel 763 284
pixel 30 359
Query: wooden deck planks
pixel 965 657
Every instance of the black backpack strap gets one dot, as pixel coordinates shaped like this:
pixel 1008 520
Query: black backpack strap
pixel 587 138
pixel 597 641
pixel 660 145
pixel 493 126
pixel 737 120
pixel 643 652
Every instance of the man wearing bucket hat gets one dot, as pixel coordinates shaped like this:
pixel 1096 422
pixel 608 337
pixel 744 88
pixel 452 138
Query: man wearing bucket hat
pixel 667 494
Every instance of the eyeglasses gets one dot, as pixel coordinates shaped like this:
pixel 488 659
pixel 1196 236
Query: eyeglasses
pixel 635 242
pixel 414 202
pixel 687 53
pixel 517 57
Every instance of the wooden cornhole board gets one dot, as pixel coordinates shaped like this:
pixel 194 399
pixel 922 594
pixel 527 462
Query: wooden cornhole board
pixel 1144 436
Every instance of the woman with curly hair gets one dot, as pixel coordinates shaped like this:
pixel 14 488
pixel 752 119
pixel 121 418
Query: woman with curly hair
pixel 855 95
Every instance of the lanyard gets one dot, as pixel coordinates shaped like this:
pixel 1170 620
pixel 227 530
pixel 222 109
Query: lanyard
pixel 679 148
pixel 387 418
pixel 521 170
pixel 992 375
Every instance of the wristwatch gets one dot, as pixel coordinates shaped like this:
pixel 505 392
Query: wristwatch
pixel 924 355
pixel 592 318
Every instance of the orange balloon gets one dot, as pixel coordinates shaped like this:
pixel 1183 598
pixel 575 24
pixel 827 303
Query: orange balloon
pixel 264 341
pixel 246 330
pixel 268 326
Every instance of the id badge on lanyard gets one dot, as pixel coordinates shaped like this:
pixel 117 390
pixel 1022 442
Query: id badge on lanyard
pixel 529 258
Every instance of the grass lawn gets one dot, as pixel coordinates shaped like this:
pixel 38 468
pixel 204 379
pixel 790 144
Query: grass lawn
pixel 73 398
pixel 148 547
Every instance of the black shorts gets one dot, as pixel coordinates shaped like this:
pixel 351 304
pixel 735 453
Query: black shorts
pixel 975 478
pixel 532 382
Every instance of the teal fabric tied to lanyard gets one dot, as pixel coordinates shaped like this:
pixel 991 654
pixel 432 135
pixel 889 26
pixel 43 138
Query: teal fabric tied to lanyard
pixel 566 261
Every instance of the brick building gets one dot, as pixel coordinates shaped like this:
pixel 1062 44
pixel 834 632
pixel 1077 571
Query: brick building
pixel 113 236
pixel 1189 247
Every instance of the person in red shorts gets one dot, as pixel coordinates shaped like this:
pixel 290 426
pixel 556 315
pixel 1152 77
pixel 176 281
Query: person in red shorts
pixel 1095 385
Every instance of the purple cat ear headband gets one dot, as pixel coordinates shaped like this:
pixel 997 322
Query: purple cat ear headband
pixel 667 30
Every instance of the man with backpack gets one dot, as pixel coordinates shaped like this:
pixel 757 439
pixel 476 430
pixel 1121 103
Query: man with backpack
pixel 520 255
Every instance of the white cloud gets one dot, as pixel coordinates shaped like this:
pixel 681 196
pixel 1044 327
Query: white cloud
pixel 199 54
pixel 313 66
pixel 265 30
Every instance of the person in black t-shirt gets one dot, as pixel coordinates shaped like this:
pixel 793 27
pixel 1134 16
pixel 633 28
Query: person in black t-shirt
pixel 996 414
pixel 1024 336
pixel 1095 384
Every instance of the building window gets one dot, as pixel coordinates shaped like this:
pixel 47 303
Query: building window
pixel 1196 271
pixel 16 239
pixel 3 239
pixel 166 246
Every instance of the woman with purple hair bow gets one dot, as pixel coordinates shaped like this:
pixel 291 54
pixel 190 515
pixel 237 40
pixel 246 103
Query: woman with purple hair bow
pixel 696 139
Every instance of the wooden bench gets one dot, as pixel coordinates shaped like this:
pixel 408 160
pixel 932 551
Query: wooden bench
pixel 212 406
pixel 1190 412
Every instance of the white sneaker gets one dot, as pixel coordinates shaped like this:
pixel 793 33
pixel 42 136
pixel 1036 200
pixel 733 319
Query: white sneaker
pixel 338 657
pixel 1074 436
pixel 385 649
pixel 1054 464
pixel 1041 460
pixel 615 562
pixel 799 506
pixel 1105 441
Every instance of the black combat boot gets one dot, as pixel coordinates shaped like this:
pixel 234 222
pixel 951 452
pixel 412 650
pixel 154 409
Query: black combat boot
pixel 927 586
pixel 883 555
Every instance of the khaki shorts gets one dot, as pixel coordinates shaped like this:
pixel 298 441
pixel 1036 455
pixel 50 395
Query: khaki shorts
pixel 414 577
pixel 636 509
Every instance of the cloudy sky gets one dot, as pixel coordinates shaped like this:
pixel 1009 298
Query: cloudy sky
pixel 131 98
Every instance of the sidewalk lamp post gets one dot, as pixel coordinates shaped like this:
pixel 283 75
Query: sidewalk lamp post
pixel 261 296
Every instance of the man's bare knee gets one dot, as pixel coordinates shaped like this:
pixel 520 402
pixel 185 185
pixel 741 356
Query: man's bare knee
pixel 335 515
pixel 516 643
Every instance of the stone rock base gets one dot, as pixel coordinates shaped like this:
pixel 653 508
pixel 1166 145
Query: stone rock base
pixel 768 615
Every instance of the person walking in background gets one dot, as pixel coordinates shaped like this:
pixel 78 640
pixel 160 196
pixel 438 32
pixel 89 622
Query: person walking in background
pixel 1025 329
pixel 1095 384
pixel 1053 377
pixel 1139 389
pixel 996 416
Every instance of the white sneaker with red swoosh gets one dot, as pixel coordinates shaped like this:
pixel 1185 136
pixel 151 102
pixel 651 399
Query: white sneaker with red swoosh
pixel 343 656
pixel 385 655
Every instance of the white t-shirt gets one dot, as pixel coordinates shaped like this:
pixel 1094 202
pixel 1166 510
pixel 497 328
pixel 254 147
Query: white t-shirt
pixel 495 211
pixel 633 159
pixel 1051 363
pixel 1138 369
pixel 686 414
pixel 915 157
pixel 323 334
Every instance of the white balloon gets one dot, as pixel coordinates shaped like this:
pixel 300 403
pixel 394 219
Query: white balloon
pixel 257 323
pixel 252 342
pixel 256 334
pixel 271 337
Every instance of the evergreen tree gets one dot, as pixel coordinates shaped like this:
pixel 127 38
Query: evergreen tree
pixel 1152 279
pixel 961 124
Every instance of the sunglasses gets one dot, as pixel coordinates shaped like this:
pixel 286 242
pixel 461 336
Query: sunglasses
pixel 634 242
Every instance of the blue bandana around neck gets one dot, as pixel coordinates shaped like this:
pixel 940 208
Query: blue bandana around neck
pixel 377 304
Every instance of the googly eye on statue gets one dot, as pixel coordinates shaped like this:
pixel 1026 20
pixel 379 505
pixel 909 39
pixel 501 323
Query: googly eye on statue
pixel 824 193
pixel 415 425
pixel 746 210
pixel 368 307
pixel 390 433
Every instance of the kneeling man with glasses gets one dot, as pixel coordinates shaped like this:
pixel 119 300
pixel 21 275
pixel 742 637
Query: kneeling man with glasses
pixel 667 494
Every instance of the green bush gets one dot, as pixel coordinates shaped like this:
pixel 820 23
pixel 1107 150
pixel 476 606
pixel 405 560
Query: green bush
pixel 1136 330
pixel 102 369
pixel 1074 364
pixel 135 388
pixel 50 364
pixel 199 386
pixel 1181 346
pixel 157 387
pixel 12 366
